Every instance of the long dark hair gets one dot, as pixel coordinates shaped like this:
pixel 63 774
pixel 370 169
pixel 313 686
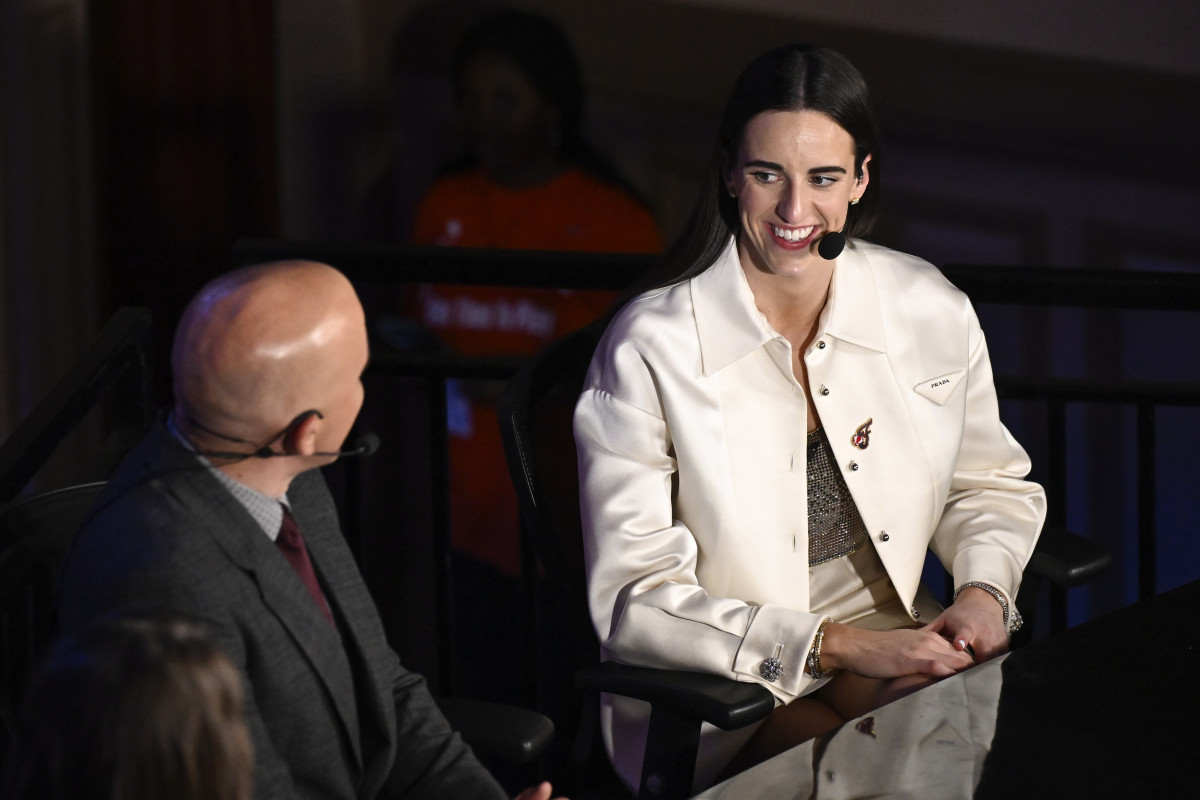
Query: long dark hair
pixel 789 78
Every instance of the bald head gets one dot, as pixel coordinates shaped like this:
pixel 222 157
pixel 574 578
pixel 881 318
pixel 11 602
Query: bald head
pixel 258 346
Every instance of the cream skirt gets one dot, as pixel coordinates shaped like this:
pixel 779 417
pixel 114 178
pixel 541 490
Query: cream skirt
pixel 855 590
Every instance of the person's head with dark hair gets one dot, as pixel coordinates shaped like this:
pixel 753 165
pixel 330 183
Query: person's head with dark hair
pixel 520 96
pixel 801 78
pixel 791 79
pixel 134 710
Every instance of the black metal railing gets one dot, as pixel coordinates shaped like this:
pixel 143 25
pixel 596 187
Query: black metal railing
pixel 116 367
pixel 115 370
pixel 1093 289
pixel 1016 286
pixel 1145 398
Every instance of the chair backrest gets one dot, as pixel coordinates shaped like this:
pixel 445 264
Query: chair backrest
pixel 536 413
pixel 35 534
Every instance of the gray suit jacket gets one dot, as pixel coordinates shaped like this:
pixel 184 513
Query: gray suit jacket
pixel 331 714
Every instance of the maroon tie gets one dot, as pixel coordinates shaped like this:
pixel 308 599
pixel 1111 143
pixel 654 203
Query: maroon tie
pixel 291 544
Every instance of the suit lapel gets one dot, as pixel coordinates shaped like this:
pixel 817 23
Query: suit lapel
pixel 283 593
pixel 362 642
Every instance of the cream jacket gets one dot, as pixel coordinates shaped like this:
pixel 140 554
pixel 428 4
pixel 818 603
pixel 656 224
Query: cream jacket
pixel 691 432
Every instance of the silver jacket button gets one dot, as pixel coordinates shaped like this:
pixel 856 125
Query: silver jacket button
pixel 883 536
pixel 854 466
pixel 821 345
pixel 824 390
pixel 915 614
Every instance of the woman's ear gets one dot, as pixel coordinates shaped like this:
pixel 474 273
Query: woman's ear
pixel 727 173
pixel 864 176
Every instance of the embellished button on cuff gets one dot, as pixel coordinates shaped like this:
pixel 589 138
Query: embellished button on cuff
pixel 771 668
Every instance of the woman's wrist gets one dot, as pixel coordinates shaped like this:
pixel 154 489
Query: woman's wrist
pixel 835 642
pixel 1012 617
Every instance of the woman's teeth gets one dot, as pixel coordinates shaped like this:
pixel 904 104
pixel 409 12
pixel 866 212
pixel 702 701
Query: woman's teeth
pixel 793 235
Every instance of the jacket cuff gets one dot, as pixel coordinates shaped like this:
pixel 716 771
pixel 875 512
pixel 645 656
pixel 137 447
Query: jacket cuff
pixel 783 634
pixel 991 565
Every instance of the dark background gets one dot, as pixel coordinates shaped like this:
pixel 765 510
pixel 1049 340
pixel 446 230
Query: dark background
pixel 141 139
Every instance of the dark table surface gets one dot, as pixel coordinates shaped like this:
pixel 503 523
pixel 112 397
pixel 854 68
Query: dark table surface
pixel 1105 709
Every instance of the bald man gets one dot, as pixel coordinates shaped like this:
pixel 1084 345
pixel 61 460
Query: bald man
pixel 267 364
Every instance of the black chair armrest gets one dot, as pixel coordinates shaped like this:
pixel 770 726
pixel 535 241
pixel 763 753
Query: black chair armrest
pixel 1067 559
pixel 512 735
pixel 723 702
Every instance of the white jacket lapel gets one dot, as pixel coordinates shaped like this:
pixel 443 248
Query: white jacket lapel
pixel 867 423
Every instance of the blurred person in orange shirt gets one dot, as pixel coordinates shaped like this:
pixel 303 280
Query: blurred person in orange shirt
pixel 528 180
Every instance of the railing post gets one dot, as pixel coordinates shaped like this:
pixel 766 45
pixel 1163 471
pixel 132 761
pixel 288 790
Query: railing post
pixel 1056 414
pixel 439 465
pixel 1147 512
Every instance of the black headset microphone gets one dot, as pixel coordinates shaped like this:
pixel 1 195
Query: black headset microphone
pixel 831 245
pixel 364 446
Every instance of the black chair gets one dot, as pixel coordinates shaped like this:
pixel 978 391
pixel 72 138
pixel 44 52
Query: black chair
pixel 535 416
pixel 1063 560
pixel 35 533
pixel 504 737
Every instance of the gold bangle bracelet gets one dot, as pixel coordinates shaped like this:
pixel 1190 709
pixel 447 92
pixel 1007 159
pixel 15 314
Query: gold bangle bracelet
pixel 813 662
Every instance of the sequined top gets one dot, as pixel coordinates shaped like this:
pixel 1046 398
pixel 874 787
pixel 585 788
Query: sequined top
pixel 834 527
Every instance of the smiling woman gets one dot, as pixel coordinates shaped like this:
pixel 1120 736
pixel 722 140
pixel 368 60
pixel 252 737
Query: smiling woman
pixel 771 439
pixel 794 177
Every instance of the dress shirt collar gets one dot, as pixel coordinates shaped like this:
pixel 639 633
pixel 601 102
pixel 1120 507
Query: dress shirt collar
pixel 265 510
pixel 729 324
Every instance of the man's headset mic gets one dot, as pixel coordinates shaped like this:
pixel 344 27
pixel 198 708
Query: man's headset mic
pixel 364 446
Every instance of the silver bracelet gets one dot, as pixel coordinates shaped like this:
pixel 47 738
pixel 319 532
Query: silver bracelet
pixel 813 662
pixel 1011 624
